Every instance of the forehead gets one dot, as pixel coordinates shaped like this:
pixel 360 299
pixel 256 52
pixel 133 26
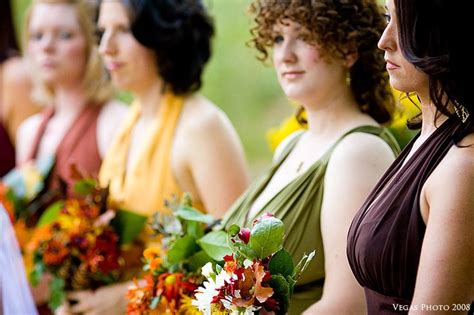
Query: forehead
pixel 53 15
pixel 288 25
pixel 113 12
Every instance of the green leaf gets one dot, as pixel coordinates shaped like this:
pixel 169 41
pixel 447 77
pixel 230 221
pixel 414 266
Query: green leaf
pixel 51 213
pixel 85 186
pixel 281 263
pixel 233 230
pixel 282 291
pixel 37 273
pixel 303 264
pixel 291 283
pixel 57 293
pixel 191 214
pixel 267 237
pixel 182 249
pixel 128 225
pixel 198 260
pixel 195 229
pixel 215 245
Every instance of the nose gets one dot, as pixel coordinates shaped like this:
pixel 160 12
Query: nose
pixel 47 43
pixel 107 44
pixel 388 40
pixel 285 52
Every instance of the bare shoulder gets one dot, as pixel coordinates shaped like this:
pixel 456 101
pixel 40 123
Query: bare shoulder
pixel 358 149
pixel 15 71
pixel 29 126
pixel 114 111
pixel 456 169
pixel 201 117
pixel 25 136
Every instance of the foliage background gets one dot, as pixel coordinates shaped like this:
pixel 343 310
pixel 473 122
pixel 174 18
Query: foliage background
pixel 235 80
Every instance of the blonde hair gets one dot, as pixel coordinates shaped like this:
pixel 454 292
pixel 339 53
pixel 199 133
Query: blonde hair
pixel 95 82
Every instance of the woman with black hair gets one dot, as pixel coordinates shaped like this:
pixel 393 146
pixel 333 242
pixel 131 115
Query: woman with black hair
pixel 412 243
pixel 173 141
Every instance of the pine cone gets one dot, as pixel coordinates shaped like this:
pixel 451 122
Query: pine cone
pixel 64 271
pixel 80 279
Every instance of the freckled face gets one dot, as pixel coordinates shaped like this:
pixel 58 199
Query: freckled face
pixel 302 72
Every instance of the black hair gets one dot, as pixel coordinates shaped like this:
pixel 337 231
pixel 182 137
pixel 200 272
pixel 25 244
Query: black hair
pixel 8 43
pixel 433 38
pixel 180 33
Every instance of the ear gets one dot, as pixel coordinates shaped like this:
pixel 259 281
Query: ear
pixel 350 59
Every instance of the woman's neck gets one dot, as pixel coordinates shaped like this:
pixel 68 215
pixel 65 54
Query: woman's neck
pixel 150 98
pixel 329 115
pixel 432 118
pixel 69 101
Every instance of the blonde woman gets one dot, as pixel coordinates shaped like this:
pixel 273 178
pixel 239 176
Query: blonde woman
pixel 79 119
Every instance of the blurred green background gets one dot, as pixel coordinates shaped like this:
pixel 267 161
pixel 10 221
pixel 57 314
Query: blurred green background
pixel 237 82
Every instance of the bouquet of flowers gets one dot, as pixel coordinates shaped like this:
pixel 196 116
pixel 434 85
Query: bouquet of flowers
pixel 259 275
pixel 22 189
pixel 173 268
pixel 78 241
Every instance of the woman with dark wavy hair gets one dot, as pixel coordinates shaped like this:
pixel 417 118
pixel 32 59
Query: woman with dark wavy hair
pixel 174 140
pixel 412 243
pixel 326 58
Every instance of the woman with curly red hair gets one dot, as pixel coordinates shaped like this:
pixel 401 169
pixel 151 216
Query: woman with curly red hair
pixel 326 58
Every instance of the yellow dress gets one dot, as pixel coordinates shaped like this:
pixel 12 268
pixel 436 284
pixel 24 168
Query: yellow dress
pixel 149 181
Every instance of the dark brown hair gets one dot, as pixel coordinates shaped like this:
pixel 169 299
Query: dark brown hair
pixel 432 36
pixel 8 43
pixel 339 27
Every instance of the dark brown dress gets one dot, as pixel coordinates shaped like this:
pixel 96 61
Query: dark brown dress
pixel 385 238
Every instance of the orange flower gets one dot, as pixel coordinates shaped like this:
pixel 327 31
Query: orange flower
pixel 155 264
pixel 151 253
pixel 55 253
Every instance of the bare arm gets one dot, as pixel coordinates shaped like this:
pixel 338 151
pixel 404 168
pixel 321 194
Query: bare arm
pixel 214 158
pixel 355 167
pixel 446 270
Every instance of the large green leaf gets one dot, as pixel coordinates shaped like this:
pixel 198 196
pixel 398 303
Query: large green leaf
pixel 281 263
pixel 267 237
pixel 282 291
pixel 198 260
pixel 51 213
pixel 181 249
pixel 215 245
pixel 128 225
pixel 191 214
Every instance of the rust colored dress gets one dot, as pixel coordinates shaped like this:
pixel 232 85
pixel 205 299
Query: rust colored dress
pixel 78 147
pixel 385 238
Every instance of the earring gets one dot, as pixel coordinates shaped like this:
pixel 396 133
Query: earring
pixel 348 78
pixel 461 111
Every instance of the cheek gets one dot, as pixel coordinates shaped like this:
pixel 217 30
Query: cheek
pixel 76 52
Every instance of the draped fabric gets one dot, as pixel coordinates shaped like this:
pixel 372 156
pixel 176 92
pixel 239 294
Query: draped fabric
pixel 77 148
pixel 385 238
pixel 7 152
pixel 150 181
pixel 15 295
pixel 298 205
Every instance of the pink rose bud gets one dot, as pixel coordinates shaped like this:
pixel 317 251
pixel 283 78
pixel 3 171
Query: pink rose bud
pixel 265 216
pixel 244 235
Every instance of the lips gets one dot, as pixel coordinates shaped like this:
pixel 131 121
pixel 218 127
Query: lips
pixel 114 65
pixel 292 74
pixel 391 65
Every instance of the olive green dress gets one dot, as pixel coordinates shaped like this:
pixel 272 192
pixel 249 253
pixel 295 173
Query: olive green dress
pixel 298 205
